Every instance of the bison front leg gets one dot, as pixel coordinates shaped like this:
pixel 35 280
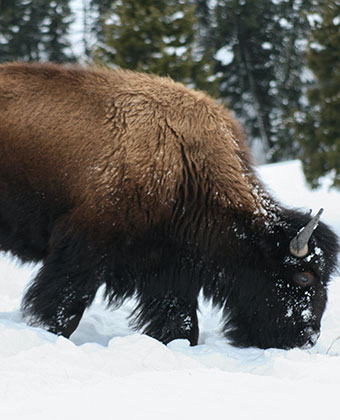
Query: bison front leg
pixel 167 317
pixel 63 288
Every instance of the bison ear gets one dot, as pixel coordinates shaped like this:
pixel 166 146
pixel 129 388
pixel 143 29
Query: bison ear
pixel 299 244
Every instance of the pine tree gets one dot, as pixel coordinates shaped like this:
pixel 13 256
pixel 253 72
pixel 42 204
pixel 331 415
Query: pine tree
pixel 34 30
pixel 204 13
pixel 260 51
pixel 157 36
pixel 57 24
pixel 99 9
pixel 290 82
pixel 318 129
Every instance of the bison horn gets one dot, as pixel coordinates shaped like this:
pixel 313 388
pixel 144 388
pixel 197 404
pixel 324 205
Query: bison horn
pixel 299 244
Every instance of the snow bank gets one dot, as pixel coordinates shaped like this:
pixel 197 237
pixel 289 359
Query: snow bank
pixel 108 372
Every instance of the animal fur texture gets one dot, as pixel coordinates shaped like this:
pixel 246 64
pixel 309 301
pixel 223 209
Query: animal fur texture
pixel 141 184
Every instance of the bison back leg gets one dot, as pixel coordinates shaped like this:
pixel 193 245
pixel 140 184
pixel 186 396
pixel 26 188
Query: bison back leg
pixel 64 287
pixel 167 317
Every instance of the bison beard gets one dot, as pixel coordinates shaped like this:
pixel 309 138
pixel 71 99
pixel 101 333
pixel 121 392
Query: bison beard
pixel 138 183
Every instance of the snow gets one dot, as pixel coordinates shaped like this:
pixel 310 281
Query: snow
pixel 106 371
pixel 225 55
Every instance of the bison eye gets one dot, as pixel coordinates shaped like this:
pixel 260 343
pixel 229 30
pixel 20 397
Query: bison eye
pixel 303 279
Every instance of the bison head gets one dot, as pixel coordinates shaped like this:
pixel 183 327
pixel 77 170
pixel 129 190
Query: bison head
pixel 278 296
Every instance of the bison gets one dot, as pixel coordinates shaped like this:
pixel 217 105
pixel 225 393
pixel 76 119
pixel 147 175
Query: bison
pixel 135 182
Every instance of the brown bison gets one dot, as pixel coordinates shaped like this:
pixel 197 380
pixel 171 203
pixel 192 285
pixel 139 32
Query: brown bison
pixel 141 184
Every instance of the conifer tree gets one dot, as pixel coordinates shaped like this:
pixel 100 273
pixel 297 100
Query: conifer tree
pixel 99 9
pixel 291 81
pixel 156 36
pixel 34 30
pixel 57 24
pixel 244 47
pixel 318 129
pixel 260 51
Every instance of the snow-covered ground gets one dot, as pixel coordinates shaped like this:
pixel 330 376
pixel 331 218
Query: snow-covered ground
pixel 106 371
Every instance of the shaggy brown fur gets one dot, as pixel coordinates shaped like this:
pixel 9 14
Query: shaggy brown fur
pixel 107 139
pixel 98 162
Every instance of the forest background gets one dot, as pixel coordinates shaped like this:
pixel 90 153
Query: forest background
pixel 275 63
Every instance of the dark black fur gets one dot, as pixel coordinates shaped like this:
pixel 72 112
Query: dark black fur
pixel 250 277
pixel 265 307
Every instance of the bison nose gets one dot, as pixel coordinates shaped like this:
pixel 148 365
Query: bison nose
pixel 311 336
